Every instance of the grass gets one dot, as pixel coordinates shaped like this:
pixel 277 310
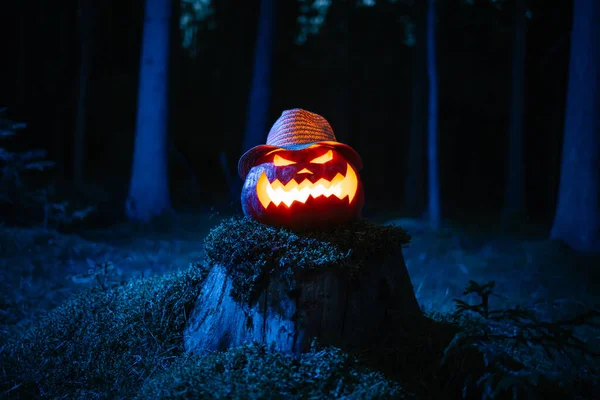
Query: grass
pixel 254 372
pixel 528 270
pixel 103 343
pixel 101 316
pixel 40 269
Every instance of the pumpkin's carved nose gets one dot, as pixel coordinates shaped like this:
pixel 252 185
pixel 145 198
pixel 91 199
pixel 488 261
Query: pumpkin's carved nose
pixel 304 171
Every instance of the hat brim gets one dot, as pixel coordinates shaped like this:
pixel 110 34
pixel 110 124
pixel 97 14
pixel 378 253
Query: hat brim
pixel 250 158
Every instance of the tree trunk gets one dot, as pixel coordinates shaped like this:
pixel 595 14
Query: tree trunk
pixel 22 88
pixel 432 145
pixel 86 8
pixel 577 218
pixel 148 189
pixel 257 119
pixel 514 192
pixel 342 114
pixel 342 107
pixel 414 184
pixel 325 304
pixel 62 102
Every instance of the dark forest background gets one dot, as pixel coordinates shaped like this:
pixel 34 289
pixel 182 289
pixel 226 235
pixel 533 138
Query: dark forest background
pixel 359 76
pixel 478 125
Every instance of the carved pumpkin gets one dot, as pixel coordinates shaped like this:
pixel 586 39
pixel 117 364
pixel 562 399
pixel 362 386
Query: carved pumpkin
pixel 309 188
pixel 304 183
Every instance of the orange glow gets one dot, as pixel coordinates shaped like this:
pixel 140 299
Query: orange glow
pixel 277 193
pixel 324 158
pixel 279 161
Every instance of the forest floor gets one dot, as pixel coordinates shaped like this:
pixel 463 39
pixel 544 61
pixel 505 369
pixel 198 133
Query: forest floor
pixel 40 269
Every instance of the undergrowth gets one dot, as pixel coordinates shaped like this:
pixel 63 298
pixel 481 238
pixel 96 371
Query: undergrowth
pixel 483 353
pixel 254 372
pixel 103 343
pixel 522 352
pixel 24 190
pixel 125 340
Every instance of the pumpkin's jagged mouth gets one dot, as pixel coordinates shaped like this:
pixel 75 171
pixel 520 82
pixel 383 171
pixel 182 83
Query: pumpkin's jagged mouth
pixel 276 192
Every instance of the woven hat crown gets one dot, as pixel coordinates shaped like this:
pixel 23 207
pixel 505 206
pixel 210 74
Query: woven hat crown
pixel 298 126
pixel 297 129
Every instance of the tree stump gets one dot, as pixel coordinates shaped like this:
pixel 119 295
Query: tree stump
pixel 345 287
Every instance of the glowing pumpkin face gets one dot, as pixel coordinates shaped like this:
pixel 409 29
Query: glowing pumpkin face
pixel 308 188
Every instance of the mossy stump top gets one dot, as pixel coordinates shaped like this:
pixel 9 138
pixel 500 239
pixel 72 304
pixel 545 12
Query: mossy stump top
pixel 283 288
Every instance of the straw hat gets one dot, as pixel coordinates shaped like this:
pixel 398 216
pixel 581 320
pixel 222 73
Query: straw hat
pixel 297 129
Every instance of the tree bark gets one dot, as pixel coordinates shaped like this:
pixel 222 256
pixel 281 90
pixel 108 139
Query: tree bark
pixel 257 118
pixel 577 218
pixel 432 137
pixel 342 115
pixel 414 184
pixel 326 305
pixel 148 189
pixel 22 88
pixel 62 103
pixel 514 192
pixel 86 8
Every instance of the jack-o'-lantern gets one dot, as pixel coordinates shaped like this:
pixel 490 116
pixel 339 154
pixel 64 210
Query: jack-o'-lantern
pixel 302 177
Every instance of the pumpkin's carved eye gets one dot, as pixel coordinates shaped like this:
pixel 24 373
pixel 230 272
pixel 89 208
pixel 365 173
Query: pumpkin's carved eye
pixel 279 161
pixel 324 158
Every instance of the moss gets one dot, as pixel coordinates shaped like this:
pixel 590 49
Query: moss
pixel 253 372
pixel 102 343
pixel 250 251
